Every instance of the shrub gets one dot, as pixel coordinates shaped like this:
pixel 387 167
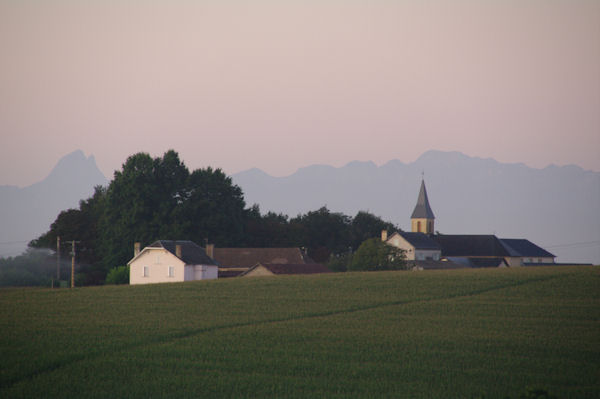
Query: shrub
pixel 340 263
pixel 118 275
pixel 374 254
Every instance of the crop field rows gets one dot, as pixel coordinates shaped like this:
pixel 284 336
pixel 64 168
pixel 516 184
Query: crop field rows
pixel 481 333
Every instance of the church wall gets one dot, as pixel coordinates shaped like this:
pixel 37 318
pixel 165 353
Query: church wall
pixel 427 225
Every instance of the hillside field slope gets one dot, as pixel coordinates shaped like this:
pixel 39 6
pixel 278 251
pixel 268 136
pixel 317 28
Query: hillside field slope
pixel 438 334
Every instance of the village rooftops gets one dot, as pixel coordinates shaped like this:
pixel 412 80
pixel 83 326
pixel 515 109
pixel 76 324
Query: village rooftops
pixel 248 257
pixel 419 240
pixel 458 245
pixel 524 248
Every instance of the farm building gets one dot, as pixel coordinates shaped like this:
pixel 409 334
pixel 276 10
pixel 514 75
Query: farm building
pixel 235 261
pixel 272 269
pixel 170 261
pixel 491 251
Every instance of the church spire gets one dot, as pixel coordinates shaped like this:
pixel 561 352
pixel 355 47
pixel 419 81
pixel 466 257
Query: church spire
pixel 422 217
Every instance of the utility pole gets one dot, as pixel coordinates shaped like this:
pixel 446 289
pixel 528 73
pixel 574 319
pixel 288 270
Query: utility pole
pixel 57 259
pixel 73 263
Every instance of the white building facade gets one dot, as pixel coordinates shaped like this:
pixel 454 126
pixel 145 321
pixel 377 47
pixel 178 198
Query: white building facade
pixel 171 261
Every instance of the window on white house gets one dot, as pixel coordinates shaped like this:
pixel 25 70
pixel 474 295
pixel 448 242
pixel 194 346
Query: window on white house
pixel 171 271
pixel 146 271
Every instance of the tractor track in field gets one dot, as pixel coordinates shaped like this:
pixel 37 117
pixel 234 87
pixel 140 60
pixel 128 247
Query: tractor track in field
pixel 307 316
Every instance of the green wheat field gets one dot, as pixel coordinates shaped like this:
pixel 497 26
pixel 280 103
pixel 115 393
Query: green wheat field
pixel 436 334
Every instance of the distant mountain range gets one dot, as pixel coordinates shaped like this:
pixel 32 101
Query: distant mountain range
pixel 556 207
pixel 26 213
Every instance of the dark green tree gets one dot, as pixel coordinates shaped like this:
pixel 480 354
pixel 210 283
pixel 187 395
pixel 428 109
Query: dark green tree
pixel 158 198
pixel 323 233
pixel 374 254
pixel 365 225
pixel 133 209
pixel 212 209
pixel 269 230
pixel 340 262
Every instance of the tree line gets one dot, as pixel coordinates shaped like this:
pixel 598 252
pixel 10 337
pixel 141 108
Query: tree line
pixel 160 198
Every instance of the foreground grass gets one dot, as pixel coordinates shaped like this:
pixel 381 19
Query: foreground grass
pixel 472 333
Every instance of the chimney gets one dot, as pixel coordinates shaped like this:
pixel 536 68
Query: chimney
pixel 178 250
pixel 384 235
pixel 210 249
pixel 136 249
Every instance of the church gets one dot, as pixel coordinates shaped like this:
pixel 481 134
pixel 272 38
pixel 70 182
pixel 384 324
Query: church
pixel 427 249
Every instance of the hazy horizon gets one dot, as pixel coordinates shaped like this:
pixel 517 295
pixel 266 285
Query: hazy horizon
pixel 283 86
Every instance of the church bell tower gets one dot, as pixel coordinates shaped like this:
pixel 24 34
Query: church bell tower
pixel 422 218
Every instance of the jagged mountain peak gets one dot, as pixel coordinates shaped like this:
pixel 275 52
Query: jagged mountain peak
pixel 76 168
pixel 28 212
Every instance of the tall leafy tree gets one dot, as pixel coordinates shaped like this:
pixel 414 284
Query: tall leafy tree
pixel 269 230
pixel 141 204
pixel 159 198
pixel 365 225
pixel 211 208
pixel 323 232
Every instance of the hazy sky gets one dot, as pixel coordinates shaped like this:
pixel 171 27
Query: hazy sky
pixel 280 85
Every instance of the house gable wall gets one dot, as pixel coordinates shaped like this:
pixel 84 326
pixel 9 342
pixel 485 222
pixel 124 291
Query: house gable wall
pixel 398 241
pixel 413 253
pixel 158 261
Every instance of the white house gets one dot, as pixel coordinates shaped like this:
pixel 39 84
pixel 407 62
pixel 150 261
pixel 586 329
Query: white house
pixel 418 246
pixel 166 261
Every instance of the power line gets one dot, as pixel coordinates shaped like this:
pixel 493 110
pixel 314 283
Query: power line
pixel 575 244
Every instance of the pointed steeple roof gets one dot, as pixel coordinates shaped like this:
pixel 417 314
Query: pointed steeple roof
pixel 422 209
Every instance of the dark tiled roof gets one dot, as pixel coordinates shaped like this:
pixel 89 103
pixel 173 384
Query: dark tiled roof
pixel 522 247
pixel 437 265
pixel 288 268
pixel 487 262
pixel 229 273
pixel 420 240
pixel 470 245
pixel 191 253
pixel 422 209
pixel 248 257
